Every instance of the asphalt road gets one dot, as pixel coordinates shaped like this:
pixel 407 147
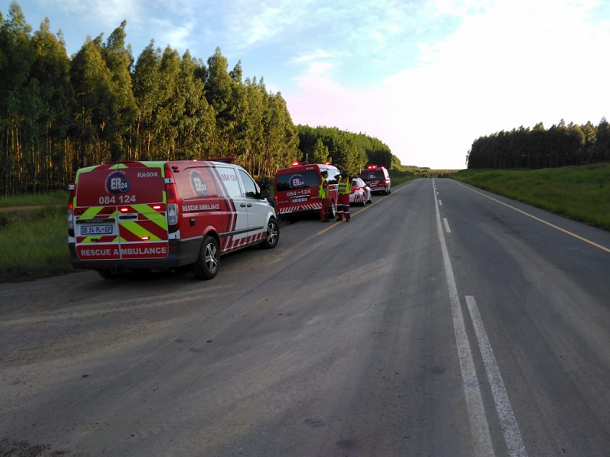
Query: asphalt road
pixel 441 321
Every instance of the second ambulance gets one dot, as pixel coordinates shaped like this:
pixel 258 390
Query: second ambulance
pixel 297 187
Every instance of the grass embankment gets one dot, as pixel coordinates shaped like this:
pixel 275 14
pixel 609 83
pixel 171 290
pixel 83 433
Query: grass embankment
pixel 400 175
pixel 581 193
pixel 58 197
pixel 34 242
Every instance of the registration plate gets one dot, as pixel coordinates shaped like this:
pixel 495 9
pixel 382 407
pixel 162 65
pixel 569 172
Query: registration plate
pixel 299 200
pixel 96 230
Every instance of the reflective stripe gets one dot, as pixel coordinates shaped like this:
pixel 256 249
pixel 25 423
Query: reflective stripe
pixel 91 212
pixel 138 230
pixel 322 191
pixel 344 186
pixel 152 215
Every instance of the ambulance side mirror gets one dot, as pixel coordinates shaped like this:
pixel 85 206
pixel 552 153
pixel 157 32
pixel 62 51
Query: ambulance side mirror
pixel 264 193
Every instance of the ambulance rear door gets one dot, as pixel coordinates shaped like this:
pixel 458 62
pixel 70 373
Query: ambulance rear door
pixel 297 190
pixel 120 212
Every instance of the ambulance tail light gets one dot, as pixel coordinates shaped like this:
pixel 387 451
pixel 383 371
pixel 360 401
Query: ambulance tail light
pixel 173 211
pixel 71 188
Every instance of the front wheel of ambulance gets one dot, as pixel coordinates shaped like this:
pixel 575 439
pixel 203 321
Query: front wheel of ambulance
pixel 207 264
pixel 273 234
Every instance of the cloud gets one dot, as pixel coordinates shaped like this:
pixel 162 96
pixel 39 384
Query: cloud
pixel 177 36
pixel 317 54
pixel 106 15
pixel 258 23
pixel 508 64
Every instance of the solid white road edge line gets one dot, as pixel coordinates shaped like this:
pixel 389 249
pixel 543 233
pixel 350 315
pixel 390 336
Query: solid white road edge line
pixel 474 401
pixel 446 225
pixel 508 423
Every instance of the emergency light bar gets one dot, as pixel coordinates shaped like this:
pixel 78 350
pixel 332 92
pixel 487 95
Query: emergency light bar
pixel 223 159
pixel 296 163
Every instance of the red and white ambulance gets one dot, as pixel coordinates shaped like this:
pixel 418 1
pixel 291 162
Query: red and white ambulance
pixel 377 178
pixel 162 215
pixel 297 187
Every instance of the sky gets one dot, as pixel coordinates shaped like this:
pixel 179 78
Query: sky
pixel 425 77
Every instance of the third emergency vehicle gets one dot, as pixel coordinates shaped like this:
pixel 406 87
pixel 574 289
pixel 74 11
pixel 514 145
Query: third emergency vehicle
pixel 377 178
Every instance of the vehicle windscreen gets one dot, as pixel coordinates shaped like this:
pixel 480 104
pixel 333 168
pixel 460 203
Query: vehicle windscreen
pixel 297 180
pixel 372 174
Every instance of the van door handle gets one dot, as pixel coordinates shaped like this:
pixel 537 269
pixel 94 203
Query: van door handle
pixel 129 216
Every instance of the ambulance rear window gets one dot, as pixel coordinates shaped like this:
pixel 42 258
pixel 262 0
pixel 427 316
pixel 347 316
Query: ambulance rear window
pixel 297 180
pixel 372 174
pixel 134 185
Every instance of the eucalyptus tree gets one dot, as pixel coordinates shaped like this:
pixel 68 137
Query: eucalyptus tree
pixel 320 152
pixel 51 69
pixel 95 101
pixel 252 159
pixel 602 145
pixel 218 92
pixel 171 106
pixel 120 125
pixel 147 93
pixel 18 99
pixel 197 124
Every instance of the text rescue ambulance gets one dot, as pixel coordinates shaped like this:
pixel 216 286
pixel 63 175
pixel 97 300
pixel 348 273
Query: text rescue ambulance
pixel 163 215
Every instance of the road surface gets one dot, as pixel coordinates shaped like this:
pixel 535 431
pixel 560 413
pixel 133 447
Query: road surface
pixel 441 321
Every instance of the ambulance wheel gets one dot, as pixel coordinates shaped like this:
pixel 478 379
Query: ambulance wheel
pixel 273 234
pixel 106 274
pixel 207 264
pixel 333 210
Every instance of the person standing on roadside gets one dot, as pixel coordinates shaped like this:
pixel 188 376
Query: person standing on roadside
pixel 345 187
pixel 324 196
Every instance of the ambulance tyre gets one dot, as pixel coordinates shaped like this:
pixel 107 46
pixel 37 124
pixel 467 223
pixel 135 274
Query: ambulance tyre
pixel 106 274
pixel 273 234
pixel 207 264
pixel 333 209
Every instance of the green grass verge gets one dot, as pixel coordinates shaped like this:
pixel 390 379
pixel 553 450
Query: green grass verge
pixel 398 175
pixel 34 244
pixel 581 193
pixel 52 198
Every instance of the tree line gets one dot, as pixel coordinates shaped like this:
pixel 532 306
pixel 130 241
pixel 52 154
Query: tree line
pixel 60 113
pixel 536 148
pixel 351 152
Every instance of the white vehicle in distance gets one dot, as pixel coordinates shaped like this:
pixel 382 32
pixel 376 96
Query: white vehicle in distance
pixel 361 193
